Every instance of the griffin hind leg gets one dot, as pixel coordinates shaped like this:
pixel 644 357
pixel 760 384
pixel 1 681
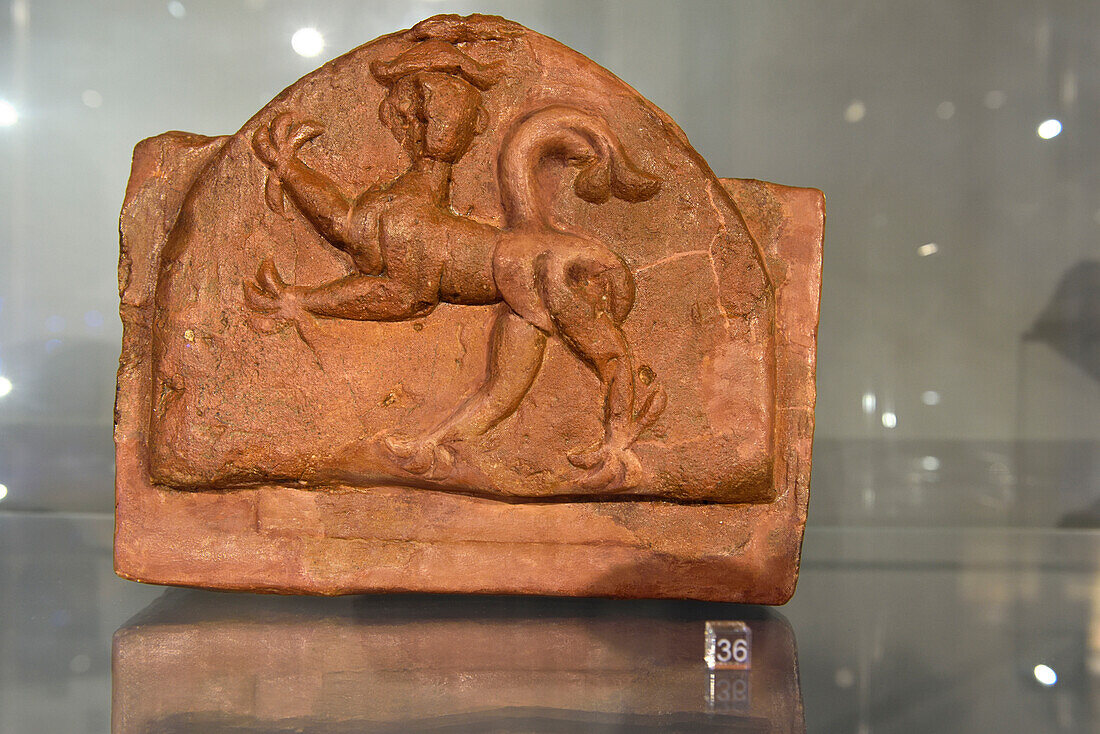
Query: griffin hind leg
pixel 515 356
pixel 587 313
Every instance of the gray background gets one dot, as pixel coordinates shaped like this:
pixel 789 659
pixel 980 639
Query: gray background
pixel 917 120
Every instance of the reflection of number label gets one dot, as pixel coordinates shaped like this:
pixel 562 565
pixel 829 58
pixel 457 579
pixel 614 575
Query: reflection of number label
pixel 731 690
pixel 728 691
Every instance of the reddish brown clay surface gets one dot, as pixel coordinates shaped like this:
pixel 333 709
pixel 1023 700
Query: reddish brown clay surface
pixel 461 311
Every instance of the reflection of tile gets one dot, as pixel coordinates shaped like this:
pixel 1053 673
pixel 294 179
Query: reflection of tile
pixel 197 661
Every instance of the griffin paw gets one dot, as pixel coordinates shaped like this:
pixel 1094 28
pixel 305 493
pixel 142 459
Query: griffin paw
pixel 424 457
pixel 609 468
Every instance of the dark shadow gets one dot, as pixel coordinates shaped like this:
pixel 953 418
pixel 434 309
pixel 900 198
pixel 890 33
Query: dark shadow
pixel 1070 323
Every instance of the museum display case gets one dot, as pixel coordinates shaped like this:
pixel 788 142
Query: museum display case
pixel 948 577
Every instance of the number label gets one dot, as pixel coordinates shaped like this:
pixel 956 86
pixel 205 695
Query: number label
pixel 728 645
pixel 725 652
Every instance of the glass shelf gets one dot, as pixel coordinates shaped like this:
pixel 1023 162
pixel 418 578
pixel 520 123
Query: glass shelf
pixel 890 630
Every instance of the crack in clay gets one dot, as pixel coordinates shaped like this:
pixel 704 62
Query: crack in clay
pixel 672 257
pixel 723 230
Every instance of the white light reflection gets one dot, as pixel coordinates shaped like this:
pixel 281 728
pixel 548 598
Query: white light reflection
pixel 8 114
pixel 889 419
pixel 5 386
pixel 945 110
pixel 176 9
pixel 869 402
pixel 855 111
pixel 930 397
pixel 307 42
pixel 930 463
pixel 929 249
pixel 3 491
pixel 1048 129
pixel 1045 675
pixel 20 13
pixel 91 98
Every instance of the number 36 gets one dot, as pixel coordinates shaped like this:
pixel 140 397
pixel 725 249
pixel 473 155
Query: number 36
pixel 737 651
